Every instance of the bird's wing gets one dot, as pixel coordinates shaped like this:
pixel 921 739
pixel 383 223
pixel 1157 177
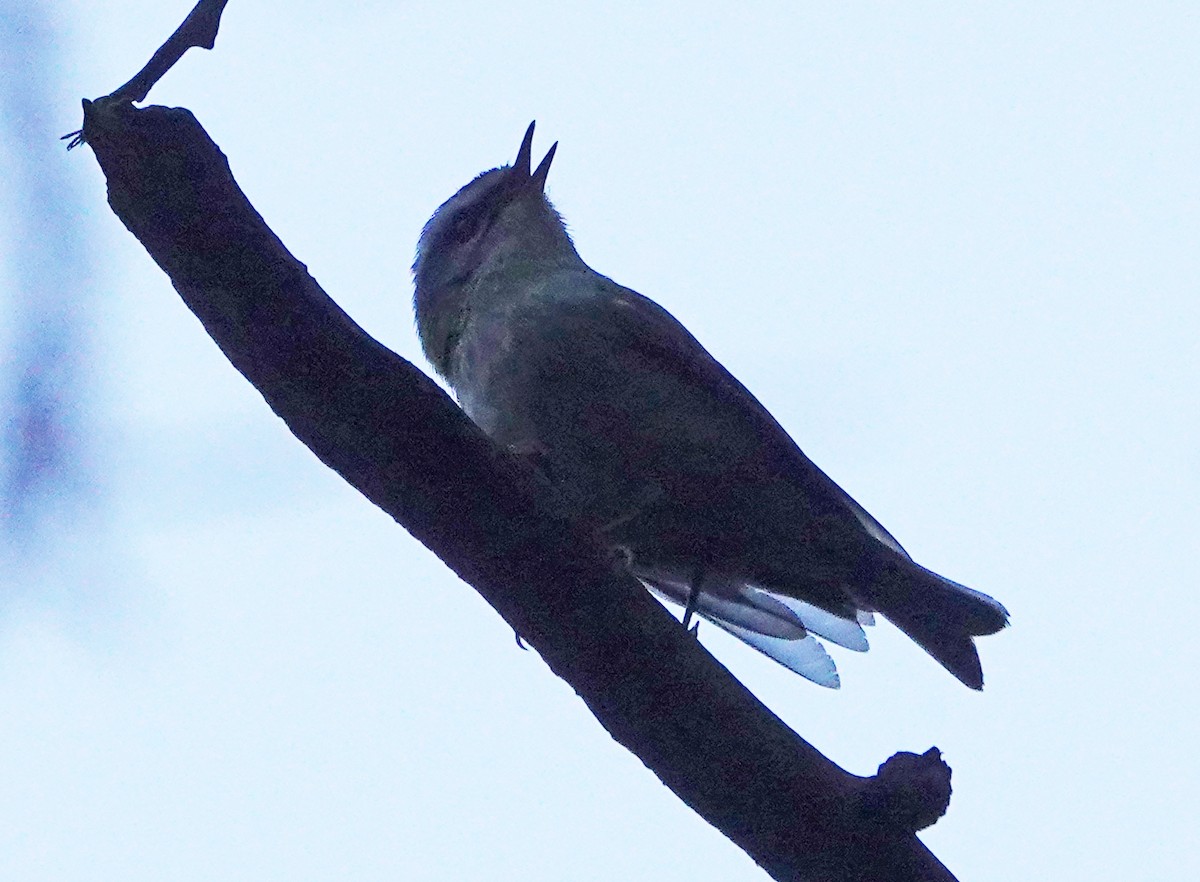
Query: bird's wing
pixel 642 325
pixel 941 615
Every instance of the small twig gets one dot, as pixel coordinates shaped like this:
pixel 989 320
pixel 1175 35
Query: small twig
pixel 198 29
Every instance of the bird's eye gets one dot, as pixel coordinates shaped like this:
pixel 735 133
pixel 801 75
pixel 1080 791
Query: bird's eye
pixel 466 226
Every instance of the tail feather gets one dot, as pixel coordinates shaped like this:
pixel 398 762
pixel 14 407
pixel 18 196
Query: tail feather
pixel 942 616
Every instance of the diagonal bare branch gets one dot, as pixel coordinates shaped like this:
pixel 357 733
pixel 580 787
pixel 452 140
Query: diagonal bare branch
pixel 394 435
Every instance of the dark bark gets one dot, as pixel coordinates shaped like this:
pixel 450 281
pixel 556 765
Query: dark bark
pixel 395 436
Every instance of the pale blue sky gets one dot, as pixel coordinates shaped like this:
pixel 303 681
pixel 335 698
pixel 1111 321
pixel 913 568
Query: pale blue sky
pixel 953 249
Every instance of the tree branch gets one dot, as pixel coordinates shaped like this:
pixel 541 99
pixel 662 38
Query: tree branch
pixel 395 436
pixel 198 30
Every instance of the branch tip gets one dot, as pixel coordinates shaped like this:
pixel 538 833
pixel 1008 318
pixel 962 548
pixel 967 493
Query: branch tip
pixel 909 792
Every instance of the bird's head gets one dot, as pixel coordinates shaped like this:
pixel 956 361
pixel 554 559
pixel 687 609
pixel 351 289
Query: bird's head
pixel 500 221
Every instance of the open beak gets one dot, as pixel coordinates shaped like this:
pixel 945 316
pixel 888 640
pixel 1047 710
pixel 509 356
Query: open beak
pixel 524 160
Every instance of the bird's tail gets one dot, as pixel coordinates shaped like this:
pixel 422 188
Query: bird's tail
pixel 942 616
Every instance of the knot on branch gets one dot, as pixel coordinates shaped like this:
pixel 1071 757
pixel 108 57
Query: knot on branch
pixel 909 792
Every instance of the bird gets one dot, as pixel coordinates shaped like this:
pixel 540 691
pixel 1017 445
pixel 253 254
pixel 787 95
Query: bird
pixel 678 470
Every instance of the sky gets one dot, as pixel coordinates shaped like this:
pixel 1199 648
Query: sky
pixel 953 249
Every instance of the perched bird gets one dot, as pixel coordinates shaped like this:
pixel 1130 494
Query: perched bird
pixel 645 436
